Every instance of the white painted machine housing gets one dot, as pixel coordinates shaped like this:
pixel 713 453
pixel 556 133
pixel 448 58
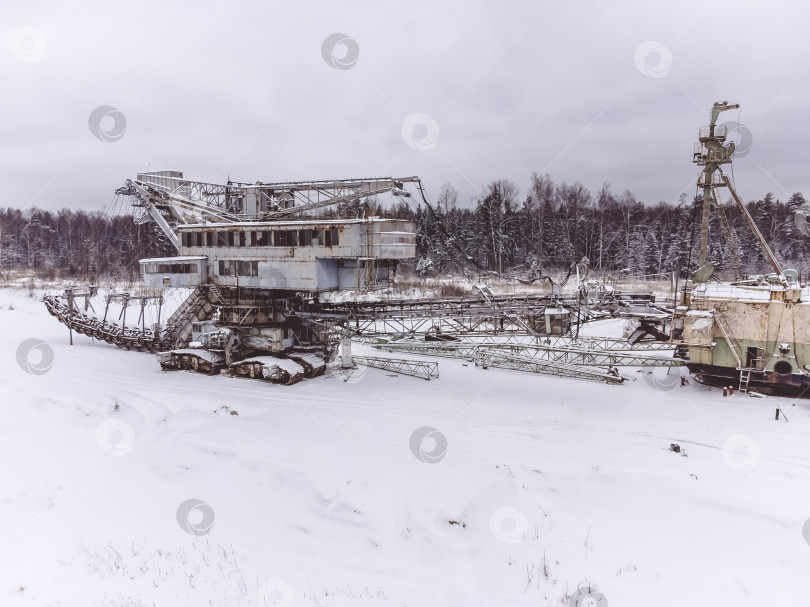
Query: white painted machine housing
pixel 180 271
pixel 306 255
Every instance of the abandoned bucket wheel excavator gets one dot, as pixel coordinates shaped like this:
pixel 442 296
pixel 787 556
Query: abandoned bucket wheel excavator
pixel 257 257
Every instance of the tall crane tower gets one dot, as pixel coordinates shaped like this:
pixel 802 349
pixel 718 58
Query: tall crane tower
pixel 711 152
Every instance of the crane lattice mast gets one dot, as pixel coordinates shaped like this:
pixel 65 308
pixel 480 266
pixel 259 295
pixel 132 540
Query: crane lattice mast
pixel 711 152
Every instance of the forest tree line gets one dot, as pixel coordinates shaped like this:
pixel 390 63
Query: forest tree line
pixel 508 231
pixel 551 225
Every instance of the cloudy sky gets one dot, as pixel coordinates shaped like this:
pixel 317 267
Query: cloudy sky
pixel 460 92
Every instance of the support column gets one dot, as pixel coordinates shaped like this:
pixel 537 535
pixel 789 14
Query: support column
pixel 346 352
pixel 703 251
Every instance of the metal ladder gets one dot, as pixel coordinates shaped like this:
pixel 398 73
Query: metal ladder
pixel 729 236
pixel 369 264
pixel 732 343
pixel 745 377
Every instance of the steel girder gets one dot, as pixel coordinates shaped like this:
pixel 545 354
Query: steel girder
pixel 589 343
pixel 554 354
pixel 416 368
pixel 491 357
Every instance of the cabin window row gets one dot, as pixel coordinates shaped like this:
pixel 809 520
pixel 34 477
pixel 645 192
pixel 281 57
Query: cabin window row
pixel 171 268
pixel 236 267
pixel 261 238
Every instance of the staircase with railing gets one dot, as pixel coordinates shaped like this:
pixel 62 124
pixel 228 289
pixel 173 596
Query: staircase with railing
pixel 215 294
pixel 196 307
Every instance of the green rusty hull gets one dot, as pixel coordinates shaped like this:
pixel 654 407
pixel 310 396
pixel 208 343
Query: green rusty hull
pixel 767 333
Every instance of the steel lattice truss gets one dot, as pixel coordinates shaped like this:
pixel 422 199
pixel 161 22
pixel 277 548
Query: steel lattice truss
pixel 570 355
pixel 463 316
pixel 188 201
pixel 492 357
pixel 416 368
pixel 555 341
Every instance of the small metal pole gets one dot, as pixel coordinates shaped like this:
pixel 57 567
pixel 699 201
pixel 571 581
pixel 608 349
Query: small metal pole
pixel 70 313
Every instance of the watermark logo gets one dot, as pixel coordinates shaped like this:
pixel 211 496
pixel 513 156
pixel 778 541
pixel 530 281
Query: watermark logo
pixel 741 136
pixel 662 379
pixel 271 277
pixel 340 51
pixel 421 132
pixel 348 375
pixel 741 452
pixel 114 436
pixel 508 525
pixel 585 596
pixel 800 218
pixel 275 593
pixel 107 123
pixel 195 517
pixel 27 44
pixel 35 356
pixel 653 59
pixel 428 445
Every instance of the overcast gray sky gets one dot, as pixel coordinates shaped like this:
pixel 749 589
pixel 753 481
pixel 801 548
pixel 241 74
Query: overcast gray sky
pixel 460 92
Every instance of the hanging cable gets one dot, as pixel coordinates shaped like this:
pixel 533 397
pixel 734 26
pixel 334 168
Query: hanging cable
pixel 692 236
pixel 733 182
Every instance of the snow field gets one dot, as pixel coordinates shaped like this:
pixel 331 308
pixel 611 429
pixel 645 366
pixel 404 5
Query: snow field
pixel 482 487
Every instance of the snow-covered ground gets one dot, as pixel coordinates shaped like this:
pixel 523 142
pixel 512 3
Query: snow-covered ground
pixel 126 486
